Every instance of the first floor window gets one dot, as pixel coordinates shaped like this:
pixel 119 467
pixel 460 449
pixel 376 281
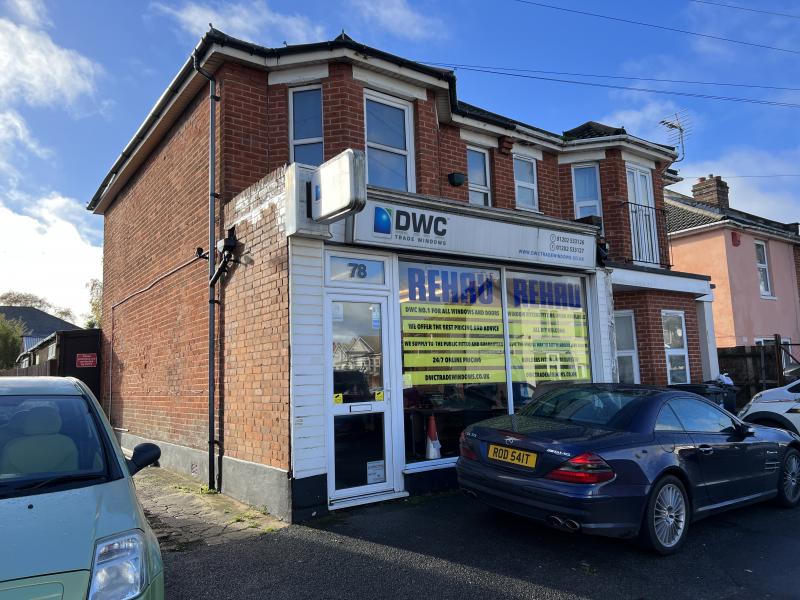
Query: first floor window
pixel 586 190
pixel 390 156
pixel 525 183
pixel 764 281
pixel 627 356
pixel 673 325
pixel 478 176
pixel 306 125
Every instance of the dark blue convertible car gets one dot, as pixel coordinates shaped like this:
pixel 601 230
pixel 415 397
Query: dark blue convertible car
pixel 626 461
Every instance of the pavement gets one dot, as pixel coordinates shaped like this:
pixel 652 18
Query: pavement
pixel 448 546
pixel 184 514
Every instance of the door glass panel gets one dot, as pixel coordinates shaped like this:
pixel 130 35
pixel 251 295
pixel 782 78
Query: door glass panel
pixel 677 369
pixel 357 352
pixel 673 331
pixel 359 450
pixel 625 369
pixel 624 328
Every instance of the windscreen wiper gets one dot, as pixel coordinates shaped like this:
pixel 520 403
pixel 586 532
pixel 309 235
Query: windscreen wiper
pixel 69 478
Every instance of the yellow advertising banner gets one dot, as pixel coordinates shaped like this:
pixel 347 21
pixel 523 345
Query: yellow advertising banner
pixel 419 310
pixel 449 344
pixel 453 327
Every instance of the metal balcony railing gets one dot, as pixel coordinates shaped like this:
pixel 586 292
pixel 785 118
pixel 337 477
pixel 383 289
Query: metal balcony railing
pixel 644 233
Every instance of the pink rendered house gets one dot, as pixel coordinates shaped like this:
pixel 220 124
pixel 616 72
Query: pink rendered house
pixel 754 264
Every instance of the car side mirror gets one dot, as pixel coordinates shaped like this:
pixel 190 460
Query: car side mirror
pixel 144 455
pixel 747 430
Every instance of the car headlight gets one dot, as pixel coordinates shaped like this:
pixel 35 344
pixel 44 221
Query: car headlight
pixel 119 571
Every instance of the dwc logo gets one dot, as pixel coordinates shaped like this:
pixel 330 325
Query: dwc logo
pixel 387 220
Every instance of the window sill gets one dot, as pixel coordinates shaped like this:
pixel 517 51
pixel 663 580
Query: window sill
pixel 768 297
pixel 429 465
pixel 529 210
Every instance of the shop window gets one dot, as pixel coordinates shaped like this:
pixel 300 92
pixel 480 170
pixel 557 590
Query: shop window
pixel 478 177
pixel 305 106
pixel 525 183
pixel 390 156
pixel 586 190
pixel 548 331
pixel 454 366
pixel 627 356
pixel 764 280
pixel 674 330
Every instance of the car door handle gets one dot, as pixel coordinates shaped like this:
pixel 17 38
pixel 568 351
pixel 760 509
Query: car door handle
pixel 705 449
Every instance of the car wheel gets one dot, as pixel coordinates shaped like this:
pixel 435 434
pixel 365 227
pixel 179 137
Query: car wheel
pixel 789 483
pixel 666 520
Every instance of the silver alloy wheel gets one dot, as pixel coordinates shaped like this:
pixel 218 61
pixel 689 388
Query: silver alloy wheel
pixel 669 518
pixel 791 478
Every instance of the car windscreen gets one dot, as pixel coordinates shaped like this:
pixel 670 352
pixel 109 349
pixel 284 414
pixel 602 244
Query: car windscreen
pixel 48 441
pixel 587 405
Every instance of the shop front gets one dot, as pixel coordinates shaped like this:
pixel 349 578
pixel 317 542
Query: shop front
pixel 434 320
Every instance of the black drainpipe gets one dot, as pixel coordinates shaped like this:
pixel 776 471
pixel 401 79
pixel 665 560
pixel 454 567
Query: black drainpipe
pixel 212 266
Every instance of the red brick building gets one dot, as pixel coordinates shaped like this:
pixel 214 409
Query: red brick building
pixel 470 276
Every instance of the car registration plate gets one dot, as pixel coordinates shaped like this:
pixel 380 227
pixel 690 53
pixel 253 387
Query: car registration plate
pixel 512 455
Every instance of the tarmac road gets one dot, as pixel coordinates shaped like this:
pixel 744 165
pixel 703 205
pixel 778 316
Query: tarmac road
pixel 452 547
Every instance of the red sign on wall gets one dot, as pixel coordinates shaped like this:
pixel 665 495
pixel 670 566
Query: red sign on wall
pixel 86 360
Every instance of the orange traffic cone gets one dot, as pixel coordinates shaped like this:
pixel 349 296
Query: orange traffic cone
pixel 432 445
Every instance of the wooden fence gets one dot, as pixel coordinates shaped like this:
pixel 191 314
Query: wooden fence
pixel 43 369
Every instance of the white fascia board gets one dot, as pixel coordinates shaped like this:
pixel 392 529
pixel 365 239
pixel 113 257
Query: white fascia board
pixel 479 139
pixel 752 230
pixel 660 281
pixel 639 161
pixel 295 75
pixel 527 151
pixel 390 85
pixel 487 128
pixel 636 145
pixel 581 157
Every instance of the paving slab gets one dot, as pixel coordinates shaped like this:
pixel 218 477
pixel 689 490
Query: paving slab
pixel 185 514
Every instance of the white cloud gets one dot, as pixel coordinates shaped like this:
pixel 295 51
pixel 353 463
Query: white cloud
pixel 29 12
pixel 34 69
pixel 771 197
pixel 14 138
pixel 399 18
pixel 57 261
pixel 644 121
pixel 250 19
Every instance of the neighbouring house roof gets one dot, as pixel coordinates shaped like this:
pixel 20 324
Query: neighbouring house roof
pixel 685 213
pixel 184 87
pixel 38 324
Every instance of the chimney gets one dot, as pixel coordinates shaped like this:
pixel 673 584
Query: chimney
pixel 711 190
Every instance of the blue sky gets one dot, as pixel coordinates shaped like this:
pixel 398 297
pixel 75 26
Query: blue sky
pixel 77 78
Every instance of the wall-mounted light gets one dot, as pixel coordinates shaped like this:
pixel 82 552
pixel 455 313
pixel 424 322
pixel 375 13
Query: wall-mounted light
pixel 456 179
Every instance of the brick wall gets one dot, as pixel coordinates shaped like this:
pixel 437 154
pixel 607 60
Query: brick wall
pixel 255 341
pixel 342 110
pixel 647 307
pixel 426 137
pixel 160 336
pixel 502 172
pixel 614 191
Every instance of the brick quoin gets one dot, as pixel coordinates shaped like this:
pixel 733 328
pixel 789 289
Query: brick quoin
pixel 614 192
pixel 502 171
pixel 647 307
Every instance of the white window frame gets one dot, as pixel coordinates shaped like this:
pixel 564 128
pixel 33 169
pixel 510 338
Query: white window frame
pixel 524 184
pixel 474 187
pixel 677 351
pixel 770 341
pixel 302 141
pixel 408 111
pixel 634 353
pixel 765 265
pixel 599 202
pixel 643 227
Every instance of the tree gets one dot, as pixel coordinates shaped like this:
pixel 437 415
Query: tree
pixel 10 341
pixel 12 298
pixel 95 303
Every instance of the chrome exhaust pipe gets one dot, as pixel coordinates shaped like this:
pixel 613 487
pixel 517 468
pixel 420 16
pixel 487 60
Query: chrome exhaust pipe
pixel 555 521
pixel 572 525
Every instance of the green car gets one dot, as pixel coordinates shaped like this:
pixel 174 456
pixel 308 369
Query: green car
pixel 70 523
